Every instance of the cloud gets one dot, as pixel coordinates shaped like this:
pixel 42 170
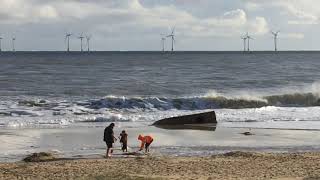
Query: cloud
pixel 46 11
pixel 21 12
pixel 259 26
pixel 299 12
pixel 292 35
pixel 252 6
pixel 128 15
pixel 123 23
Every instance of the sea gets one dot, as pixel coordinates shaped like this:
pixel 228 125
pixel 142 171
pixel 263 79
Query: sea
pixel 61 102
pixel 255 90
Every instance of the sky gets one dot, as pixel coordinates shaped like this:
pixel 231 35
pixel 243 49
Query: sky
pixel 137 25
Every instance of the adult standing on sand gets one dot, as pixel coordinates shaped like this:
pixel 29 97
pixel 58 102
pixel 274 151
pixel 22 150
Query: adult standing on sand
pixel 109 139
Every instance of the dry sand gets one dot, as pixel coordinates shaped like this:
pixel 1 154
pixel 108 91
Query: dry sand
pixel 235 165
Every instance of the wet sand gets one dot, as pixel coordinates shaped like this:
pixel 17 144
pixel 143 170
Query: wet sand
pixel 87 141
pixel 175 154
pixel 237 165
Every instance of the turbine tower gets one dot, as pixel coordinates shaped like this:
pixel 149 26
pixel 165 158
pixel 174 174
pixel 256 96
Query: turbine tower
pixel 244 38
pixel 81 38
pixel 172 38
pixel 13 40
pixel 0 43
pixel 248 38
pixel 67 37
pixel 275 38
pixel 163 39
pixel 88 37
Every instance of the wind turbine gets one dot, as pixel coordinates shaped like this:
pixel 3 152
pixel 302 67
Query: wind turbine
pixel 88 37
pixel 0 43
pixel 163 39
pixel 172 38
pixel 275 37
pixel 67 37
pixel 81 38
pixel 248 37
pixel 13 40
pixel 244 38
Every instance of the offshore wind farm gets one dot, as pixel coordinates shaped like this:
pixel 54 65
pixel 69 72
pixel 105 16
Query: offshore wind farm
pixel 171 36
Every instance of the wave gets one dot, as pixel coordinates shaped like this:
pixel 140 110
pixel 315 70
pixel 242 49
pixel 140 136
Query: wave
pixel 19 113
pixel 110 118
pixel 206 102
pixel 194 103
pixel 141 111
pixel 296 99
pixel 97 107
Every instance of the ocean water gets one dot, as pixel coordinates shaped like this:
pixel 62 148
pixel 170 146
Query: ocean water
pixel 257 90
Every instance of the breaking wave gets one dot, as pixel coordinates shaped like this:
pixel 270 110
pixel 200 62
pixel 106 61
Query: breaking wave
pixel 249 109
pixel 206 102
pixel 116 106
pixel 159 103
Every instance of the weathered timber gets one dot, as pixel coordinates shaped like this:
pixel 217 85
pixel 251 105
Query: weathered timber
pixel 200 118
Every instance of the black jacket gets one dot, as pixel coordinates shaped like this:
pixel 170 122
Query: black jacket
pixel 108 135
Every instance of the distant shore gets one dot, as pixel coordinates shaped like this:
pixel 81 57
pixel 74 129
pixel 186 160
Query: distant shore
pixel 233 165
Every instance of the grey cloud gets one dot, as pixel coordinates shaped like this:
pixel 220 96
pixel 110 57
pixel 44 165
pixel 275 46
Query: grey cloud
pixel 124 22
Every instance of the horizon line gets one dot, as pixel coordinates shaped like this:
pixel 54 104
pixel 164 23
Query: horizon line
pixel 160 51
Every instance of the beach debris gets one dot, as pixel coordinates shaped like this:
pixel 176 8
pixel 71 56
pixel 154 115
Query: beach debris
pixel 132 153
pixel 240 154
pixel 40 157
pixel 200 118
pixel 247 133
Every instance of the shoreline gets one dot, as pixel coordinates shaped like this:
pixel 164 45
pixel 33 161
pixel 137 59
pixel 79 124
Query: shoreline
pixel 87 141
pixel 232 165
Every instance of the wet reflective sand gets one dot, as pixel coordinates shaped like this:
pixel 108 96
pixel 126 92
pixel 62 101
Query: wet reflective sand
pixel 87 141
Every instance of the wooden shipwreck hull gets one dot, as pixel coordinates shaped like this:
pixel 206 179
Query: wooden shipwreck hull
pixel 193 119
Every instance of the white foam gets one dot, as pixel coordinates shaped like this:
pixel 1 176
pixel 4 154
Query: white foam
pixel 270 112
pixel 150 109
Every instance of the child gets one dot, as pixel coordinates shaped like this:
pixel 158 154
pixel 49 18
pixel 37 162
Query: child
pixel 124 140
pixel 145 142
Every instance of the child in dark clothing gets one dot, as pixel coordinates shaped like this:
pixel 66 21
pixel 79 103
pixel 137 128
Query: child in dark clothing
pixel 124 140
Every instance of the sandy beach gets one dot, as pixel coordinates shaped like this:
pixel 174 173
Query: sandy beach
pixel 234 165
pixel 175 154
